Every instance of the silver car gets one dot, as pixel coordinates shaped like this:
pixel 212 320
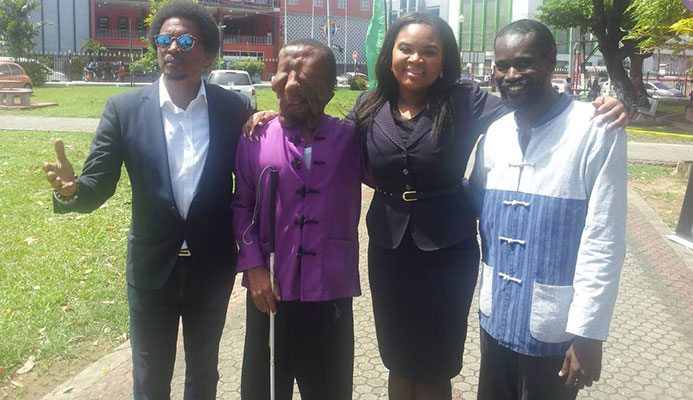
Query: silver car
pixel 659 89
pixel 236 80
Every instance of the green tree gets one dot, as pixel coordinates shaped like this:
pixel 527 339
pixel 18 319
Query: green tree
pixel 16 31
pixel 93 48
pixel 661 23
pixel 610 22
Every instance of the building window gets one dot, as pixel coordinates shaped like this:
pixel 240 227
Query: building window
pixel 140 24
pixel 103 22
pixel 341 4
pixel 123 23
pixel 318 3
pixel 365 5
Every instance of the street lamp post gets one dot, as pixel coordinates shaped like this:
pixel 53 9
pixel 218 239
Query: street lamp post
pixel 221 27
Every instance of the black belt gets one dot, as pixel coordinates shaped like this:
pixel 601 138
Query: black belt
pixel 413 195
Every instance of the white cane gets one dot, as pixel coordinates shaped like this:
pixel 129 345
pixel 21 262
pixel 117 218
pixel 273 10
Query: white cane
pixel 272 211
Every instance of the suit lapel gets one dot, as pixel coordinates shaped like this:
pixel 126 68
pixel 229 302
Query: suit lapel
pixel 423 125
pixel 214 137
pixel 157 138
pixel 387 125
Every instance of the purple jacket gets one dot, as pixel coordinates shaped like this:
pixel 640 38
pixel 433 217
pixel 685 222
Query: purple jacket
pixel 317 213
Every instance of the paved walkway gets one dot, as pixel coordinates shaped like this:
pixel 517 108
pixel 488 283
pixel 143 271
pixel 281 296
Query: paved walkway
pixel 649 354
pixel 649 152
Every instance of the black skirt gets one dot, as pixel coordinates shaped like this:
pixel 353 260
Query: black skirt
pixel 421 302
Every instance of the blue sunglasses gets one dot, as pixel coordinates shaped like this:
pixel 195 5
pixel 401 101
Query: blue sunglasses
pixel 185 42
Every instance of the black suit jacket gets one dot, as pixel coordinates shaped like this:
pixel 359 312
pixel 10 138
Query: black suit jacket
pixel 131 131
pixel 427 162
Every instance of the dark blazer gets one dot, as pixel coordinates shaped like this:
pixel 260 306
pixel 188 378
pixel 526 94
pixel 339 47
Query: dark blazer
pixel 427 163
pixel 131 131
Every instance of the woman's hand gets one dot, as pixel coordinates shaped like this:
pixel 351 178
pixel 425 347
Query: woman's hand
pixel 610 109
pixel 257 120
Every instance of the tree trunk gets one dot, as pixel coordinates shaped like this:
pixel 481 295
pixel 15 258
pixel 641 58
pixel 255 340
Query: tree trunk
pixel 636 61
pixel 619 77
pixel 607 28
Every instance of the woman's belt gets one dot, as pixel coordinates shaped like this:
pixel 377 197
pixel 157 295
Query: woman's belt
pixel 414 195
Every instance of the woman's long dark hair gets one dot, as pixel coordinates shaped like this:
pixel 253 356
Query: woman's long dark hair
pixel 439 100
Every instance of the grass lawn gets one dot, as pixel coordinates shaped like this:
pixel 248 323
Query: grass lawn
pixel 62 277
pixel 673 112
pixel 79 102
pixel 88 102
pixel 663 191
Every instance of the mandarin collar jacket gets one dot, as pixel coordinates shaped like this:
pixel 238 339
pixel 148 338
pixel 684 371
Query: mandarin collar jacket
pixel 317 210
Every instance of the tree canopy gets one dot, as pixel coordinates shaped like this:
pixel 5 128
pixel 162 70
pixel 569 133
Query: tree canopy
pixel 661 23
pixel 17 33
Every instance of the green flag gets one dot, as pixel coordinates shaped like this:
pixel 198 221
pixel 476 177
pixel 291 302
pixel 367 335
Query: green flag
pixel 374 39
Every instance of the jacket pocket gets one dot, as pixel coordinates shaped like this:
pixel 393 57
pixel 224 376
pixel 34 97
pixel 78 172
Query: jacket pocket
pixel 549 314
pixel 486 290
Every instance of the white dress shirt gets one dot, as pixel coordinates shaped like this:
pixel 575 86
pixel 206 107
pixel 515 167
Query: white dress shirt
pixel 187 143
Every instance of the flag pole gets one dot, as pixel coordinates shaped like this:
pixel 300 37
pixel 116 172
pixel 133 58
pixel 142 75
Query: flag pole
pixel 346 32
pixel 329 26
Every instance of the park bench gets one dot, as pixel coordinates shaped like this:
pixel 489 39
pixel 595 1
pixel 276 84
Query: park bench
pixel 7 96
pixel 642 113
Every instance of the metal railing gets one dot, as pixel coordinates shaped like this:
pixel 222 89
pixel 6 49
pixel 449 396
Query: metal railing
pixel 251 3
pixel 123 34
pixel 248 39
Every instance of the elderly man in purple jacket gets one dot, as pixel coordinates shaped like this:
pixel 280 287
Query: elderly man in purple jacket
pixel 318 204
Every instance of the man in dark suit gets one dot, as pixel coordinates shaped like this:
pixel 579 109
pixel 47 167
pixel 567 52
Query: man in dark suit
pixel 177 139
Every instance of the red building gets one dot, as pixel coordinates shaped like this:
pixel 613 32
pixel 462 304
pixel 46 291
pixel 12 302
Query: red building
pixel 249 28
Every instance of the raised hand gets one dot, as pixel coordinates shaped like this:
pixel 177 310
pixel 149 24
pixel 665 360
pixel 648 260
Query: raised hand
pixel 60 173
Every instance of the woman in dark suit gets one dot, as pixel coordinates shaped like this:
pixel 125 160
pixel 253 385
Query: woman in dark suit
pixel 419 127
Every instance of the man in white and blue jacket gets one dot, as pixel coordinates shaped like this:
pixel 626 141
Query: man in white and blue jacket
pixel 550 187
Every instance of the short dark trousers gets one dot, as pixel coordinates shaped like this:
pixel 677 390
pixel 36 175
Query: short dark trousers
pixel 314 344
pixel 421 301
pixel 508 375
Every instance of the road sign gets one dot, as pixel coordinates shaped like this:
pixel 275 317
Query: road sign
pixel 354 55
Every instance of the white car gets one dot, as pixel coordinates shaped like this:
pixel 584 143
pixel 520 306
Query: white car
pixel 53 75
pixel 236 80
pixel 344 79
pixel 558 84
pixel 658 89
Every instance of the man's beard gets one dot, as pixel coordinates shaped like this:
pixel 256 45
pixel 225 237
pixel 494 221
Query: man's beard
pixel 533 90
pixel 172 77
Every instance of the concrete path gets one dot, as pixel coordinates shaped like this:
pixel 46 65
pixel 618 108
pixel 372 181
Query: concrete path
pixel 31 123
pixel 648 152
pixel 659 152
pixel 649 354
